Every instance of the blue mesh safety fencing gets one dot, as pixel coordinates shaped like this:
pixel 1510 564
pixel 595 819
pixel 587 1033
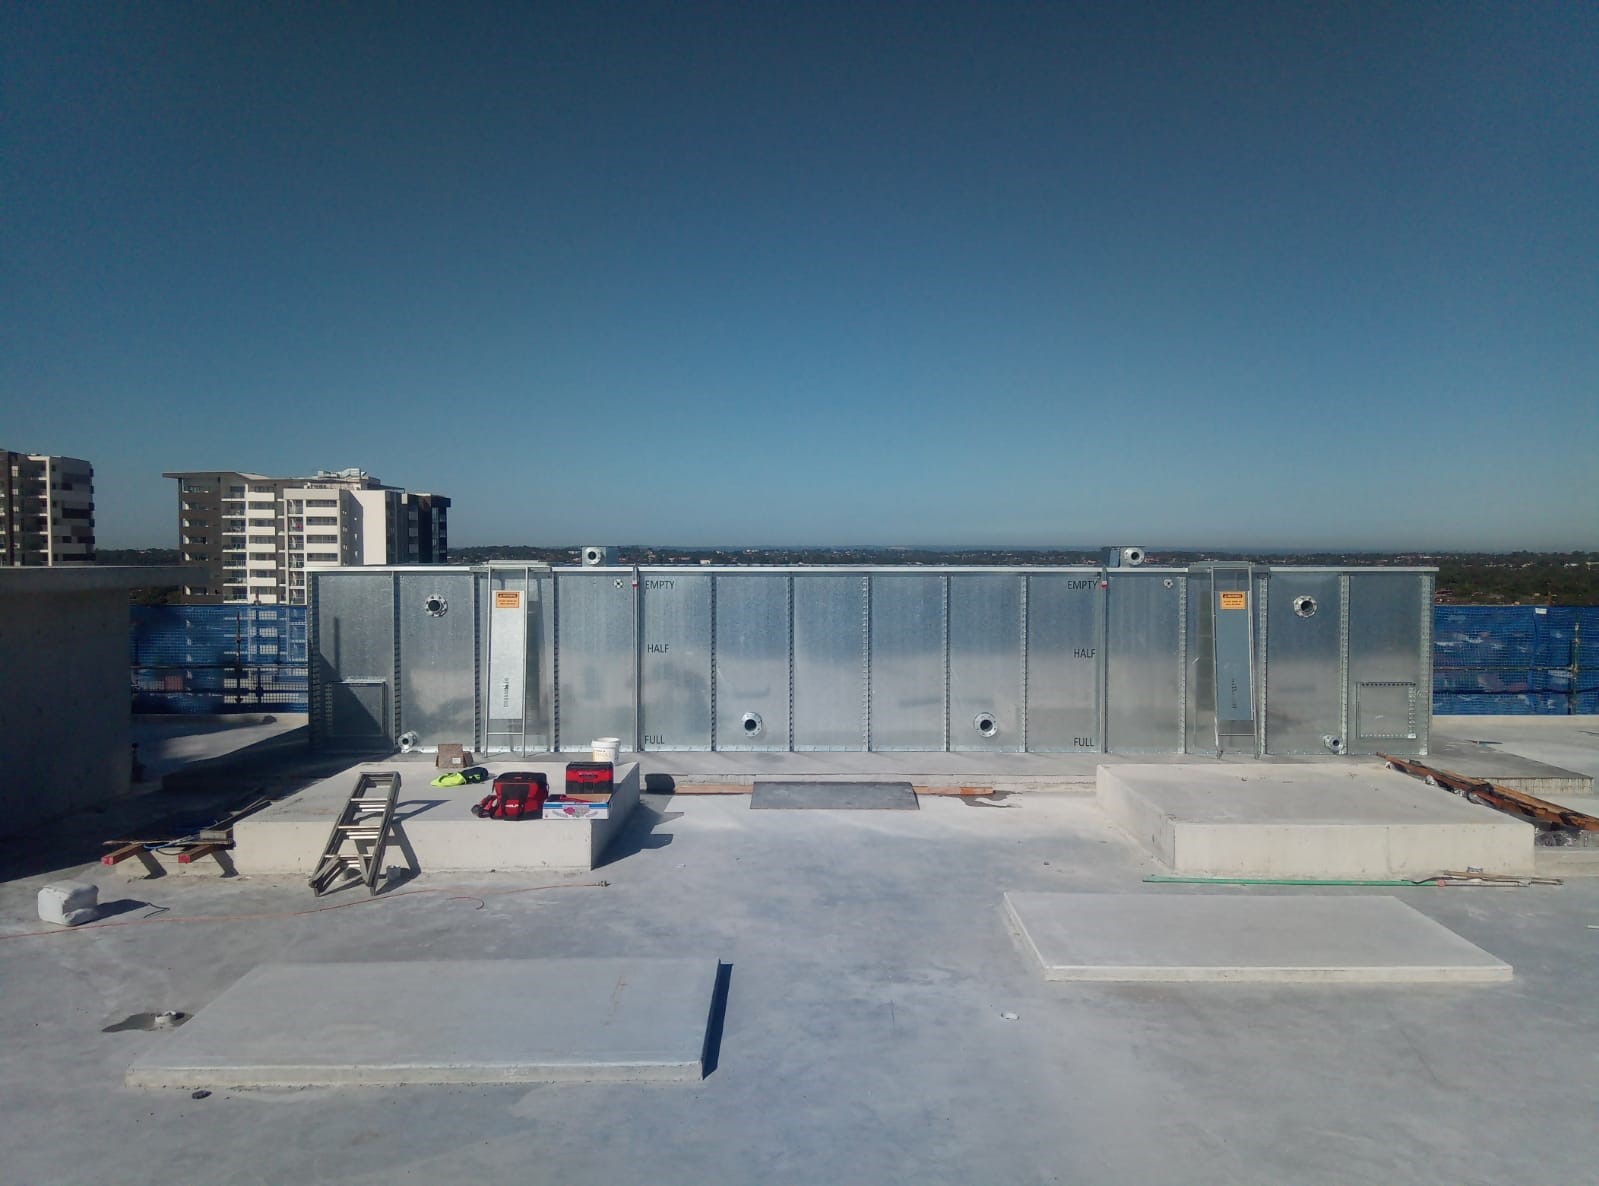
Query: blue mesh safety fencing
pixel 1516 660
pixel 218 658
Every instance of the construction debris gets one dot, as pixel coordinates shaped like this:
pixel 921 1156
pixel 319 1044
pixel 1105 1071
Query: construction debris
pixel 68 903
pixel 1448 877
pixel 214 838
pixel 744 788
pixel 1556 825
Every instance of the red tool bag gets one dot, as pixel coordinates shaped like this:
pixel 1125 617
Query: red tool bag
pixel 589 778
pixel 516 795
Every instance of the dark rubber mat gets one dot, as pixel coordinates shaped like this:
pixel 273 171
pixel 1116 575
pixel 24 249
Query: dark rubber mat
pixel 835 796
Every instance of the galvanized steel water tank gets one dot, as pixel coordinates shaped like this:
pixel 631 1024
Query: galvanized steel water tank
pixel 1114 658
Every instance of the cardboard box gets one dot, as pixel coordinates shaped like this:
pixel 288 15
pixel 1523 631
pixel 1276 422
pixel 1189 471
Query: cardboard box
pixel 452 755
pixel 558 807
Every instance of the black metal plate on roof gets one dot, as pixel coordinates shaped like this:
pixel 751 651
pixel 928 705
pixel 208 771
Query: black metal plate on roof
pixel 836 796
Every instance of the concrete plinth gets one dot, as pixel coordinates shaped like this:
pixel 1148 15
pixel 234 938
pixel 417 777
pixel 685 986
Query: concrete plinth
pixel 1195 937
pixel 466 1021
pixel 435 824
pixel 1306 822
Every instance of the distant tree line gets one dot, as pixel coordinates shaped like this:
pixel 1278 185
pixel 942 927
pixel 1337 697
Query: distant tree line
pixel 1464 578
pixel 1520 578
pixel 143 556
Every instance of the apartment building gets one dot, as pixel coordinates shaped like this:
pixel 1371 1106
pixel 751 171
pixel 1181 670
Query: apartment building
pixel 46 509
pixel 257 536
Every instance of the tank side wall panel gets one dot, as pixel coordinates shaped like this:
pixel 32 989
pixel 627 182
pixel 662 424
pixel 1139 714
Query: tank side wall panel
pixel 355 642
pixel 594 634
pixel 1065 617
pixel 752 649
pixel 1302 693
pixel 438 656
pixel 1143 679
pixel 985 661
pixel 1389 684
pixel 907 675
pixel 829 663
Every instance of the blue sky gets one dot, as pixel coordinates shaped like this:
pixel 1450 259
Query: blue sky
pixel 1241 275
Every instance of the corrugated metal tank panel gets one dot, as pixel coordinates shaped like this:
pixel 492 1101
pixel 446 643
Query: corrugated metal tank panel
pixel 437 615
pixel 985 661
pixel 1065 651
pixel 1304 687
pixel 676 663
pixel 752 661
pixel 907 667
pixel 354 662
pixel 1144 663
pixel 596 657
pixel 830 661
pixel 1390 662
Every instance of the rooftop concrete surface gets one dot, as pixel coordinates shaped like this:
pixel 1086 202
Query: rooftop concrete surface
pixel 882 1025
pixel 1569 742
pixel 168 743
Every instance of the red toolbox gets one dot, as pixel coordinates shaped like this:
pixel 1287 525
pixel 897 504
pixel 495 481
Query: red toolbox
pixel 590 778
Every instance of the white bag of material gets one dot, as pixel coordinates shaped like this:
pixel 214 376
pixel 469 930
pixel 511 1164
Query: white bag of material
pixel 69 902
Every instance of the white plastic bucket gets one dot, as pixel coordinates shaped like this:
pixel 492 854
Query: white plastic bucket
pixel 606 748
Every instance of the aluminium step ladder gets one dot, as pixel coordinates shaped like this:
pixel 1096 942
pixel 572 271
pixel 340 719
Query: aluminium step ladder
pixel 355 847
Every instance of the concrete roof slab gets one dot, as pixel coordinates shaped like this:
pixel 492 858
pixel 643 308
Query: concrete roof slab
pixel 457 1021
pixel 1280 939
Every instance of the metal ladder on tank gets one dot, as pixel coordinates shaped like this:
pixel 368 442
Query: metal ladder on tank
pixel 355 847
pixel 1232 641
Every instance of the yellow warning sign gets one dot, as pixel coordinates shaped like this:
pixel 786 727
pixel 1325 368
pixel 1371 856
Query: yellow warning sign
pixel 1237 600
pixel 507 599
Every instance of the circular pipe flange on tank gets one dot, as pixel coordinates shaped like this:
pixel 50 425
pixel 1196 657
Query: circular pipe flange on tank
pixel 986 724
pixel 409 740
pixel 753 725
pixel 1305 606
pixel 435 605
